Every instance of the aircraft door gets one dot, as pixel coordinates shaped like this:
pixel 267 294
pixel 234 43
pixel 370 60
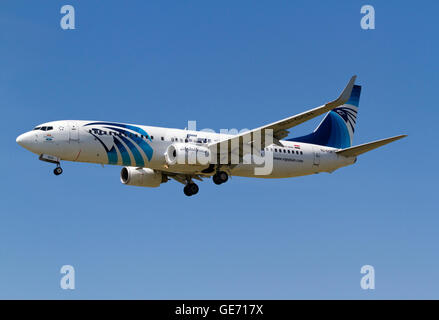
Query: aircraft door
pixel 316 156
pixel 73 132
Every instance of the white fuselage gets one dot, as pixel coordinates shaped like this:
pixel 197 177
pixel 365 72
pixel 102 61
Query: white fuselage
pixel 145 146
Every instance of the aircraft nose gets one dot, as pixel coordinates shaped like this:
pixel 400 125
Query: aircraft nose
pixel 20 139
pixel 25 140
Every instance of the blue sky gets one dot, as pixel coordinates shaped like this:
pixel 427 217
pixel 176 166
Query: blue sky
pixel 228 64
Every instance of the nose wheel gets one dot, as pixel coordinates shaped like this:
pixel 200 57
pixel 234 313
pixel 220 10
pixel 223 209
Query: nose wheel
pixel 220 177
pixel 57 171
pixel 190 189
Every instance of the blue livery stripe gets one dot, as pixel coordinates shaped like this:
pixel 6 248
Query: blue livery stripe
pixel 112 153
pixel 136 154
pixel 121 125
pixel 126 160
pixel 139 141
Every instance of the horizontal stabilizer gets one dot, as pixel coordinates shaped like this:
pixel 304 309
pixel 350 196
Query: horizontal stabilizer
pixel 363 148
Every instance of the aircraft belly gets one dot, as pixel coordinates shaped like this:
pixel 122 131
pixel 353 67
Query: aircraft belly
pixel 284 168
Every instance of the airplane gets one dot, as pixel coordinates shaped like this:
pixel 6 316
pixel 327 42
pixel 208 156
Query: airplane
pixel 149 154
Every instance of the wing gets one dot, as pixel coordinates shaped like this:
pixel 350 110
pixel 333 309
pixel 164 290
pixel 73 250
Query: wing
pixel 277 130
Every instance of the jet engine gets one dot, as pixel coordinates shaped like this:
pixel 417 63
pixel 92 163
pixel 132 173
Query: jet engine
pixel 141 177
pixel 187 154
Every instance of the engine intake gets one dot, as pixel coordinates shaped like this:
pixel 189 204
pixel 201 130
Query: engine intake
pixel 141 177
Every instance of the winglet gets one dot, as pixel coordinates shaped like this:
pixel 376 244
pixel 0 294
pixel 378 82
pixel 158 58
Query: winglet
pixel 345 95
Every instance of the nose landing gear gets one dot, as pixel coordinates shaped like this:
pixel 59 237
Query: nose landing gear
pixel 58 170
pixel 52 159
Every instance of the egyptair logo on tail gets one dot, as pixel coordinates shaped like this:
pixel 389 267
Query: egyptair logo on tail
pixel 349 115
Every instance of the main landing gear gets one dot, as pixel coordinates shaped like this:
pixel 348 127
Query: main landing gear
pixel 58 170
pixel 190 189
pixel 220 177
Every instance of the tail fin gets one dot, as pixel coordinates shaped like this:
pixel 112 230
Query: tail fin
pixel 338 127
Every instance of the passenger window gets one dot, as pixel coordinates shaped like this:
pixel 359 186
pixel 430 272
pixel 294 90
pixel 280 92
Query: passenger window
pixel 301 152
pixel 163 139
pixel 275 149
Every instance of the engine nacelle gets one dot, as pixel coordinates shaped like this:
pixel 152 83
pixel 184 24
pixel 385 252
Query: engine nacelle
pixel 187 154
pixel 141 177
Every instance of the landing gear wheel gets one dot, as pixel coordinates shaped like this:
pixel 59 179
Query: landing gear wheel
pixel 194 188
pixel 57 171
pixel 216 179
pixel 223 176
pixel 220 177
pixel 190 189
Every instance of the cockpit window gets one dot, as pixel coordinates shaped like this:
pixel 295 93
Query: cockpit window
pixel 44 128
